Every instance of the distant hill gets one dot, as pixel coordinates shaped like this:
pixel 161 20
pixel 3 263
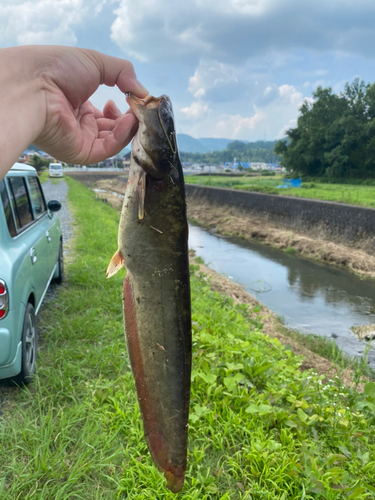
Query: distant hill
pixel 212 144
pixel 243 151
pixel 188 144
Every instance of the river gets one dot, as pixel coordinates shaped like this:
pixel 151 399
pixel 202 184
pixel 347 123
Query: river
pixel 311 297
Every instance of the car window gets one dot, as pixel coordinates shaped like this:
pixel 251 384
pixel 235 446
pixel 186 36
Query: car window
pixel 20 201
pixel 7 209
pixel 36 197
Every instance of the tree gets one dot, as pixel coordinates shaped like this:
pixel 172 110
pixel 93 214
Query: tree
pixel 39 163
pixel 261 151
pixel 334 136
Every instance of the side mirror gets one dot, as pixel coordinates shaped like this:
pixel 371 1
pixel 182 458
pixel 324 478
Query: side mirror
pixel 54 205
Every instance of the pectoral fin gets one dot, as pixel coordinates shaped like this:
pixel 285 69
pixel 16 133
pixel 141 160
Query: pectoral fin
pixel 117 262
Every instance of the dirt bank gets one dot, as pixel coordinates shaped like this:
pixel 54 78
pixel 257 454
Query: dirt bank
pixel 89 178
pixel 111 186
pixel 232 222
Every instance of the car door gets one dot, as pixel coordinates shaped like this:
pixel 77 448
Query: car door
pixel 33 222
pixel 52 231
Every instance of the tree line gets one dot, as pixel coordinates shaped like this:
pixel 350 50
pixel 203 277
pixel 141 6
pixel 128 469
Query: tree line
pixel 260 151
pixel 335 135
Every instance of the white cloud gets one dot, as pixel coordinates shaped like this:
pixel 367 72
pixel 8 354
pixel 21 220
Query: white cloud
pixel 237 126
pixel 290 95
pixel 231 126
pixel 237 30
pixel 268 90
pixel 44 21
pixel 291 124
pixel 197 109
pixel 267 120
pixel 210 74
pixel 239 68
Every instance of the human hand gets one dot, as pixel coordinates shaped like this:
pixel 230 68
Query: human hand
pixel 75 131
pixel 48 103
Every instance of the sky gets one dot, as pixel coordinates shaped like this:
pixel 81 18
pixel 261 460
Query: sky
pixel 235 69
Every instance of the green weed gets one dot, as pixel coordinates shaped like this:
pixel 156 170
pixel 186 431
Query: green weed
pixel 199 260
pixel 260 428
pixel 363 195
pixel 290 250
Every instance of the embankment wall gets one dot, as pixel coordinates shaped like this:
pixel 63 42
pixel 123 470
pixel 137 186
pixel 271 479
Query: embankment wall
pixel 335 219
pixel 89 177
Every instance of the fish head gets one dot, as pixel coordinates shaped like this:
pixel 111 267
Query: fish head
pixel 154 147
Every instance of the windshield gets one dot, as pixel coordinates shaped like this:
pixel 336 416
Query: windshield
pixel 55 167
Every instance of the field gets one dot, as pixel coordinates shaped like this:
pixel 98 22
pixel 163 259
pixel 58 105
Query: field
pixel 343 193
pixel 260 428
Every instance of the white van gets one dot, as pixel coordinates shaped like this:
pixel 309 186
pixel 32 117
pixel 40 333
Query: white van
pixel 55 170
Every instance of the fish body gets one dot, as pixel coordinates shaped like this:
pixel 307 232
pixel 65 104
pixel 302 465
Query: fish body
pixel 153 247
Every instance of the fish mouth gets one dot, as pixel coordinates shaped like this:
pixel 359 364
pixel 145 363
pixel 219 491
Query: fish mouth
pixel 137 105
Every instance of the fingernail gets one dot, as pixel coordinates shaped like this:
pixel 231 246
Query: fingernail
pixel 141 88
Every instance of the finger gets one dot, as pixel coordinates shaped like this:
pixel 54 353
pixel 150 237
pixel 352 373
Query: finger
pixel 87 108
pixel 110 110
pixel 105 124
pixel 120 72
pixel 98 113
pixel 122 132
pixel 112 143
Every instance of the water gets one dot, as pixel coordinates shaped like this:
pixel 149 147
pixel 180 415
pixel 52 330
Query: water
pixel 106 191
pixel 310 297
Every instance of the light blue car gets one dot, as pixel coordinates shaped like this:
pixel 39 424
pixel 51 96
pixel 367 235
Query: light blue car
pixel 31 256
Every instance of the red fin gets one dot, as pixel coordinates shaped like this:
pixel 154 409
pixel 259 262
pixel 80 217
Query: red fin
pixel 175 480
pixel 117 262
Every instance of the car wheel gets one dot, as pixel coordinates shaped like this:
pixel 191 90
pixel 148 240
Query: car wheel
pixel 29 347
pixel 60 277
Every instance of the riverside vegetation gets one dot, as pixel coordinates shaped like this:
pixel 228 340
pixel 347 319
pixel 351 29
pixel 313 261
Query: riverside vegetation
pixel 354 194
pixel 260 428
pixel 334 137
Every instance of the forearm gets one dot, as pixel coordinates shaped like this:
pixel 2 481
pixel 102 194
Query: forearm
pixel 21 103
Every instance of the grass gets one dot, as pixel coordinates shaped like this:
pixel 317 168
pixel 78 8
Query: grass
pixel 328 349
pixel 259 427
pixel 44 176
pixel 343 193
pixel 290 250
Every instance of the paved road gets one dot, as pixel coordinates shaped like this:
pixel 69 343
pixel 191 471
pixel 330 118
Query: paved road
pixel 59 191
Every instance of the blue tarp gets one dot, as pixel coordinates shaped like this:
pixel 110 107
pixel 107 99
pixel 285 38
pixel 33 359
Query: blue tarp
pixel 291 183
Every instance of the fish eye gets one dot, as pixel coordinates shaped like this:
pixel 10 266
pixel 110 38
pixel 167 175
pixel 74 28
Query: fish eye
pixel 163 112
